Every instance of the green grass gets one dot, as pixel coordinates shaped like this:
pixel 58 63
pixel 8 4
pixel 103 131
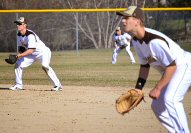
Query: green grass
pixel 90 68
pixel 186 46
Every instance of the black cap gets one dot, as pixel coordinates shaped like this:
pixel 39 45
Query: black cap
pixel 21 20
pixel 132 11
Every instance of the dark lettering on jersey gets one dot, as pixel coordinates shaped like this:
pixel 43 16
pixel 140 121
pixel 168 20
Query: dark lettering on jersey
pixel 27 33
pixel 148 37
pixel 24 44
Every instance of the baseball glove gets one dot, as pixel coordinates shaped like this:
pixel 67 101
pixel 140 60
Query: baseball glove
pixel 12 59
pixel 129 100
pixel 122 46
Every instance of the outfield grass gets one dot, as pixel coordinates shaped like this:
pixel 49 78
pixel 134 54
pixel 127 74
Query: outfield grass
pixel 90 68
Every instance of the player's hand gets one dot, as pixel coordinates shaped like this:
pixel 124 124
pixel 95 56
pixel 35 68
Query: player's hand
pixel 18 56
pixel 154 93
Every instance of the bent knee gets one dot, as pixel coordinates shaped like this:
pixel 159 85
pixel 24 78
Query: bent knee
pixel 158 106
pixel 154 106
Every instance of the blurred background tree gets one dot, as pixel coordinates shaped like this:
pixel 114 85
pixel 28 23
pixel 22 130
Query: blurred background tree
pixel 95 29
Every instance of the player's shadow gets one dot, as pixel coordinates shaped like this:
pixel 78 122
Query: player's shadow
pixel 39 90
pixel 4 88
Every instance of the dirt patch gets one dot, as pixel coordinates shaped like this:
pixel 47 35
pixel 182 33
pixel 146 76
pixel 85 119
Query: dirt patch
pixel 77 109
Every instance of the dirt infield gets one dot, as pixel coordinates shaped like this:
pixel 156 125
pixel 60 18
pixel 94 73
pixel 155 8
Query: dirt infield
pixel 76 109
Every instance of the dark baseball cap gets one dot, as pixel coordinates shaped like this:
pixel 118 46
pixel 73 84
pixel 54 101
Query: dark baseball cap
pixel 21 20
pixel 132 11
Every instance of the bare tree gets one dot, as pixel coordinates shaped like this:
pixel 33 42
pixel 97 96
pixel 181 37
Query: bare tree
pixel 98 26
pixel 58 30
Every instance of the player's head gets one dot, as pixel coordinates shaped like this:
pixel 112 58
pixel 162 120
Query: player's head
pixel 21 23
pixel 118 30
pixel 132 17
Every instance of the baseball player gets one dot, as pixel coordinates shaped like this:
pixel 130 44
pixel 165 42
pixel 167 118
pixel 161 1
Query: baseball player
pixel 159 51
pixel 35 50
pixel 122 40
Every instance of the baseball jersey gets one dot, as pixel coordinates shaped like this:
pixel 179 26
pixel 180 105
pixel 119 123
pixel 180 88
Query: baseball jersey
pixel 123 39
pixel 31 41
pixel 157 50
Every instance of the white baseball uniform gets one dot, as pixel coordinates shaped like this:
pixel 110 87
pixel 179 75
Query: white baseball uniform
pixel 42 53
pixel 122 40
pixel 159 51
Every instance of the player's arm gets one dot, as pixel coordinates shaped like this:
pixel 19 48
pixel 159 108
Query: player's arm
pixel 143 75
pixel 27 52
pixel 165 79
pixel 163 54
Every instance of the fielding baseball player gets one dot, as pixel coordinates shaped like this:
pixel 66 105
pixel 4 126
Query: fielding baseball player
pixel 159 51
pixel 35 50
pixel 122 40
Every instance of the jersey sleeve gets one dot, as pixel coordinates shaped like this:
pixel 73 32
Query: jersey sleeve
pixel 116 37
pixel 161 51
pixel 32 43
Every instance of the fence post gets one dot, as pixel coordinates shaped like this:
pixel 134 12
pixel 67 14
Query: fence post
pixel 17 31
pixel 77 33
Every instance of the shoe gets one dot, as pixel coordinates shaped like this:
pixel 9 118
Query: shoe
pixel 113 62
pixel 15 88
pixel 133 62
pixel 57 88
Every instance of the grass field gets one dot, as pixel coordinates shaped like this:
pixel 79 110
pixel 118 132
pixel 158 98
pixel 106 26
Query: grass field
pixel 89 68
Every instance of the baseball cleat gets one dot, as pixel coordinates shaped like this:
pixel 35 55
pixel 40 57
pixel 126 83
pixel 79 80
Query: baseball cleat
pixel 57 88
pixel 113 62
pixel 15 88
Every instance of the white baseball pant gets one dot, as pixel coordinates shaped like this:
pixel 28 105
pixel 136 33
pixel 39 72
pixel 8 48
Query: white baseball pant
pixel 26 61
pixel 118 50
pixel 169 107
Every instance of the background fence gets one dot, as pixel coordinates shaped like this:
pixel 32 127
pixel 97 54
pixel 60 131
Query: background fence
pixel 71 29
